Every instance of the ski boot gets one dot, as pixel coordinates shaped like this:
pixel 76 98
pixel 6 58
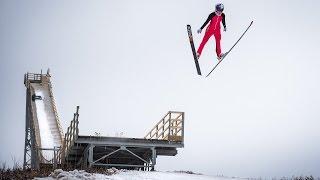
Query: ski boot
pixel 198 55
pixel 221 56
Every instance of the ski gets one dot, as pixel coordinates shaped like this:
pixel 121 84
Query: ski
pixel 230 49
pixel 193 49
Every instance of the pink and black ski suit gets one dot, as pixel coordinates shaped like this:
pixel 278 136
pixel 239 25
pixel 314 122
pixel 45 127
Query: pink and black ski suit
pixel 213 29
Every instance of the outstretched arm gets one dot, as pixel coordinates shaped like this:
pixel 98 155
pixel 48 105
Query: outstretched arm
pixel 224 20
pixel 208 20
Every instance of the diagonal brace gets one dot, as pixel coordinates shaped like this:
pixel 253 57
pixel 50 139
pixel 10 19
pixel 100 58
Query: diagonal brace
pixel 107 155
pixel 137 156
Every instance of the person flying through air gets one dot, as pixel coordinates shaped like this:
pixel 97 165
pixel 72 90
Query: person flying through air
pixel 215 19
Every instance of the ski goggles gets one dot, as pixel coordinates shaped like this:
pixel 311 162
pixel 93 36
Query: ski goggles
pixel 218 13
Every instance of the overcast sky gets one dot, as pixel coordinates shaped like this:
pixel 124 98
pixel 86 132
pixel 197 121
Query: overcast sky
pixel 126 63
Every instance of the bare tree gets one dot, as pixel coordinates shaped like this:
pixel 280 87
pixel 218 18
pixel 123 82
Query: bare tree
pixel 16 164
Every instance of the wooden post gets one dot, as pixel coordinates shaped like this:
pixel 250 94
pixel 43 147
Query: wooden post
pixel 169 133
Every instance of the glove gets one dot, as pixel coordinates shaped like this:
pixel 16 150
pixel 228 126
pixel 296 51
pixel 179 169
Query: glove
pixel 199 31
pixel 224 29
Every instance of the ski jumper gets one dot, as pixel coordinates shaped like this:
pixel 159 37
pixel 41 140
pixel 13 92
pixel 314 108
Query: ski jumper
pixel 213 29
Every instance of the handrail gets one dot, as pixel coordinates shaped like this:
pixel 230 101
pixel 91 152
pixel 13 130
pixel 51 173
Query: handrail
pixel 72 133
pixel 32 77
pixel 170 127
pixel 55 160
pixel 61 153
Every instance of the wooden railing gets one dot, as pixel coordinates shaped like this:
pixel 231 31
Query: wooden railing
pixel 170 127
pixel 72 134
pixel 54 161
pixel 31 77
pixel 61 153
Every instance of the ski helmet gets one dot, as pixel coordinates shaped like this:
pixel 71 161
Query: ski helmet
pixel 219 7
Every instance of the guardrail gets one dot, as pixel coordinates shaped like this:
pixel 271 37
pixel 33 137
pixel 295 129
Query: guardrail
pixel 55 160
pixel 61 153
pixel 170 127
pixel 31 77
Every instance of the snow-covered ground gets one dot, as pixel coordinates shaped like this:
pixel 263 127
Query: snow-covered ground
pixel 130 175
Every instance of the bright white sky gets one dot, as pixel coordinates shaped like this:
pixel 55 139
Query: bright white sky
pixel 126 63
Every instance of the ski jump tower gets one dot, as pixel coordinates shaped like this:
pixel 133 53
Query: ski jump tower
pixel 43 133
pixel 45 143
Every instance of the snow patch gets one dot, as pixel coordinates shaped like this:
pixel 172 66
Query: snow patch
pixel 129 175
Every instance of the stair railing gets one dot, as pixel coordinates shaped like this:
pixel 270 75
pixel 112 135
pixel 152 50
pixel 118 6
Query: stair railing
pixel 170 128
pixel 72 134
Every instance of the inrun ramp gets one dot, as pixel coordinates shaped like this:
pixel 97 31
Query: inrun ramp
pixel 44 136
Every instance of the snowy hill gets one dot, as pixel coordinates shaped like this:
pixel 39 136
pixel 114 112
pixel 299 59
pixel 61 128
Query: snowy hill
pixel 130 175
